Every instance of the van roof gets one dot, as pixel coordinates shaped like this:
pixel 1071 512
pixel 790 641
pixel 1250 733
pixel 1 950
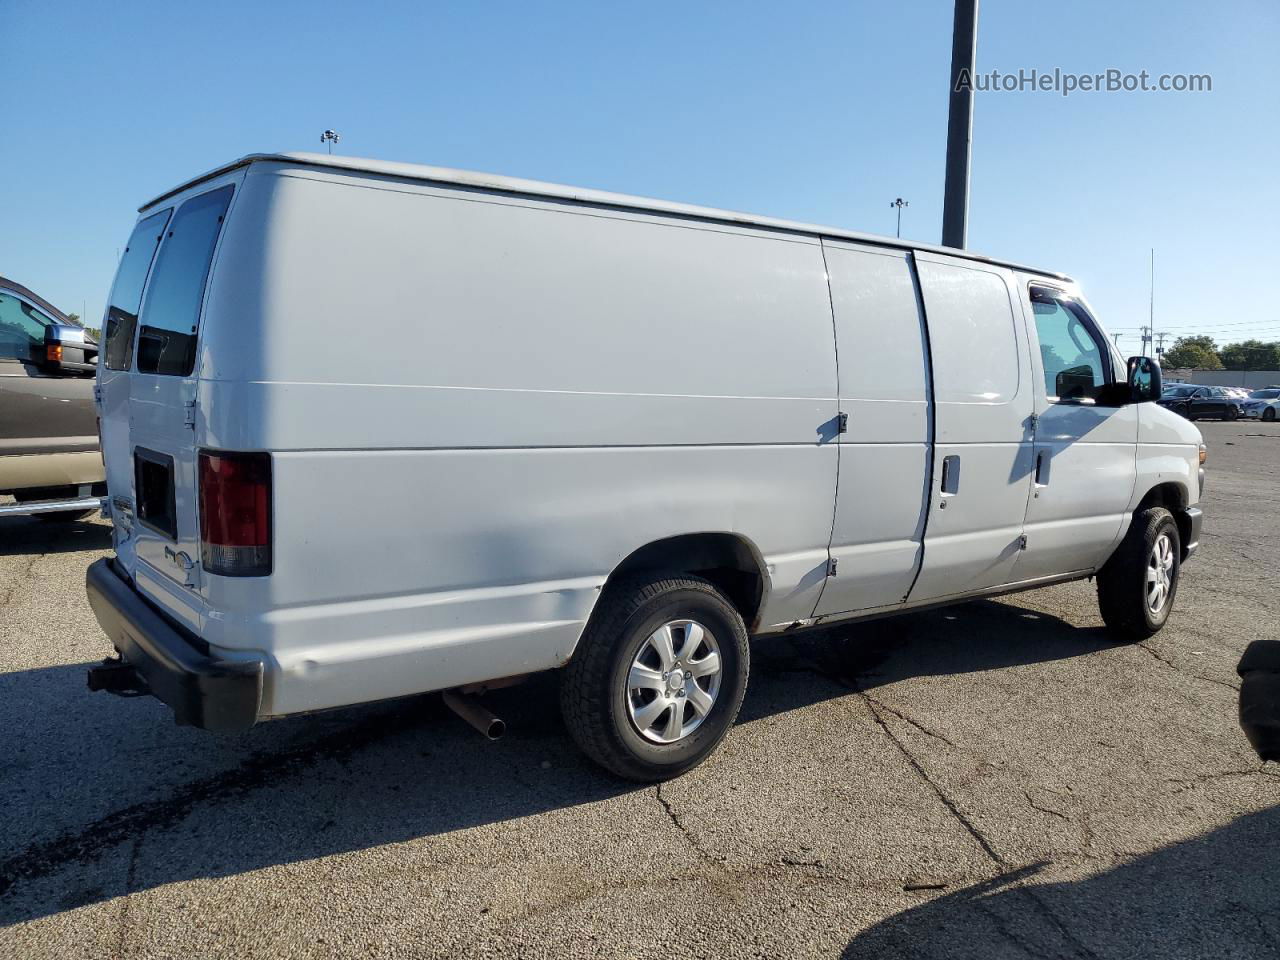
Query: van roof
pixel 515 185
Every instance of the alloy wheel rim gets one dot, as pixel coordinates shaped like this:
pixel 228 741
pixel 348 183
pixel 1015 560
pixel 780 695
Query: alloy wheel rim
pixel 1160 574
pixel 674 681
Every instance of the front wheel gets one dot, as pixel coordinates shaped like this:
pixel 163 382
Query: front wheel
pixel 1137 585
pixel 1269 414
pixel 658 677
pixel 1231 413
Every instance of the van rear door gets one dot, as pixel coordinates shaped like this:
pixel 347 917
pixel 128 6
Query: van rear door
pixel 149 435
pixel 119 329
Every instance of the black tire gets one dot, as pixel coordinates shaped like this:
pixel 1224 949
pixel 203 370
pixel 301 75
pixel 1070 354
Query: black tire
pixel 1122 582
pixel 594 696
pixel 1231 413
pixel 1269 414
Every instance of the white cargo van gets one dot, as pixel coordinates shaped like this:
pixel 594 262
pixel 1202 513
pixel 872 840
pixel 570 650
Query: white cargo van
pixel 373 429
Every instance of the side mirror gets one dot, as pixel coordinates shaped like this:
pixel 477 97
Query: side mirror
pixel 1145 382
pixel 69 350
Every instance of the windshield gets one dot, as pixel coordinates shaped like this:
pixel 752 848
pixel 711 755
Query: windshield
pixel 1264 394
pixel 1180 391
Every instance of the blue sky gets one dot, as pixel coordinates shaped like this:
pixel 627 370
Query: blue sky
pixel 812 111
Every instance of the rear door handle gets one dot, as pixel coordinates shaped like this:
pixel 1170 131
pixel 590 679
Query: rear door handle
pixel 951 474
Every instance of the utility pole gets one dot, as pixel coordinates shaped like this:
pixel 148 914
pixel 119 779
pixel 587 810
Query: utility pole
pixel 1146 341
pixel 330 137
pixel 1152 317
pixel 1116 338
pixel 964 50
pixel 1160 339
pixel 899 203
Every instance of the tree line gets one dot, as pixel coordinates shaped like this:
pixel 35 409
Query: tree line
pixel 1201 353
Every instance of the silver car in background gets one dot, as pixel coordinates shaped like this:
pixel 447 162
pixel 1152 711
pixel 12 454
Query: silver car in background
pixel 1262 405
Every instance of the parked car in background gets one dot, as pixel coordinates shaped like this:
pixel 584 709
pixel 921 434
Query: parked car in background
pixel 1197 402
pixel 1262 405
pixel 49 456
pixel 673 407
pixel 1239 393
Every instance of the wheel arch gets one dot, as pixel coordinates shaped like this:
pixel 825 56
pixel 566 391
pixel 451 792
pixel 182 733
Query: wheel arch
pixel 729 561
pixel 1174 497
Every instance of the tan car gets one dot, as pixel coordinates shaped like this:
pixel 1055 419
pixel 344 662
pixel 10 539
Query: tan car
pixel 50 460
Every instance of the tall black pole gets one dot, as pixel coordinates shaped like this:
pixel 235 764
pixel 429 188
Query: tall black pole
pixel 964 49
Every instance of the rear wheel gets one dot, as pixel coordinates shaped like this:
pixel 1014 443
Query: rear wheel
pixel 1137 585
pixel 658 677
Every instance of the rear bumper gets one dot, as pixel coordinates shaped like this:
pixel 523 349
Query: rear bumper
pixel 1195 517
pixel 203 691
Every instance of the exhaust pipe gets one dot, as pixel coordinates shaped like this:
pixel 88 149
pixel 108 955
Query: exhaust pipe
pixel 472 711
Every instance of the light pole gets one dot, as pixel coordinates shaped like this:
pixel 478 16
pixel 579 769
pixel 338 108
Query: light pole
pixel 329 138
pixel 899 203
pixel 955 201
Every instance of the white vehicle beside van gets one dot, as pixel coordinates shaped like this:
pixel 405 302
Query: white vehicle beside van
pixel 374 429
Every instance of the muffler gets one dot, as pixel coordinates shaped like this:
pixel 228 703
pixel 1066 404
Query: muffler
pixel 472 711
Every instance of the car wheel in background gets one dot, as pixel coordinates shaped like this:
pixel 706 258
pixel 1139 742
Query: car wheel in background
pixel 658 677
pixel 1231 413
pixel 1269 414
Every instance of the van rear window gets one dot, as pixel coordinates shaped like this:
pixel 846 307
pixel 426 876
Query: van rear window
pixel 126 292
pixel 171 313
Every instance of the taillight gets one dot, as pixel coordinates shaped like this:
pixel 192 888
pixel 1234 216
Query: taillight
pixel 53 352
pixel 235 513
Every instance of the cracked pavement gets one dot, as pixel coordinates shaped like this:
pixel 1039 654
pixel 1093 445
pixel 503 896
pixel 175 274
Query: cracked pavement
pixel 989 780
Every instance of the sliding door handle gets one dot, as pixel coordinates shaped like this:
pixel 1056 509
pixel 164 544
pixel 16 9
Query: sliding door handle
pixel 951 474
pixel 1042 468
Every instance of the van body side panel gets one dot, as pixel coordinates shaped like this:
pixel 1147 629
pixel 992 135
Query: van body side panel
pixel 982 462
pixel 454 566
pixel 884 455
pixel 477 406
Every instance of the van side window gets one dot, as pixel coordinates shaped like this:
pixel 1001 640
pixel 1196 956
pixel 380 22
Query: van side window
pixel 126 292
pixel 171 313
pixel 1074 362
pixel 21 329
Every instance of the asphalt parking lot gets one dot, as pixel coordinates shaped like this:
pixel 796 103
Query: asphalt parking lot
pixel 991 780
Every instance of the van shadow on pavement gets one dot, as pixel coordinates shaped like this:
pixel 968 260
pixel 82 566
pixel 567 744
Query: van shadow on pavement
pixel 86 779
pixel 1211 896
pixel 22 536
